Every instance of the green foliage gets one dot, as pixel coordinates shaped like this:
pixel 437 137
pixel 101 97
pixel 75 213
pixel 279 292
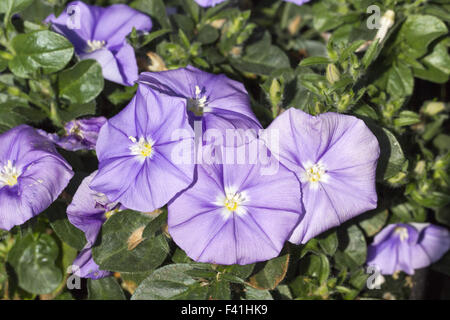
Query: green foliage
pixel 318 57
pixel 128 243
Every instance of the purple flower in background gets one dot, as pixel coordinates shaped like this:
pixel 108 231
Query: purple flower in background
pixel 298 2
pixel 80 134
pixel 236 213
pixel 208 3
pixel 100 34
pixel 138 152
pixel 32 175
pixel 211 3
pixel 88 211
pixel 407 247
pixel 221 103
pixel 335 157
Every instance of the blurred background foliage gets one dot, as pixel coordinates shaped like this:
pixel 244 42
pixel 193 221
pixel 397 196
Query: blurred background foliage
pixel 317 57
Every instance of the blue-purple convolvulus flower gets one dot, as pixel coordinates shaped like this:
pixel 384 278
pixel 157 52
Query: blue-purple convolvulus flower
pixel 32 175
pixel 146 152
pixel 100 34
pixel 237 213
pixel 406 247
pixel 79 134
pixel 335 157
pixel 86 266
pixel 211 3
pixel 88 211
pixel 221 103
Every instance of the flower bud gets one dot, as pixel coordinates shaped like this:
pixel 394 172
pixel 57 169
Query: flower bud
pixel 333 74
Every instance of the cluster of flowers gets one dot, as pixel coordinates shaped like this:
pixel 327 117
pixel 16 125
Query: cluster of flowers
pixel 238 204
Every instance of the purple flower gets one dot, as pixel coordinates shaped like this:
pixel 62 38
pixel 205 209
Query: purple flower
pixel 335 158
pixel 236 213
pixel 298 2
pixel 32 175
pixel 211 3
pixel 88 211
pixel 87 268
pixel 208 3
pixel 80 134
pixel 138 152
pixel 407 247
pixel 100 34
pixel 220 102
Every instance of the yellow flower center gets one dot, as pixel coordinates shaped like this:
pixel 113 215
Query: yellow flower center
pixel 9 174
pixel 142 147
pixel 315 172
pixel 233 201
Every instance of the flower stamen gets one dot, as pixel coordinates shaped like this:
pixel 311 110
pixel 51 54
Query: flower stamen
pixel 9 174
pixel 314 173
pixel 402 232
pixel 94 45
pixel 198 105
pixel 142 147
pixel 232 202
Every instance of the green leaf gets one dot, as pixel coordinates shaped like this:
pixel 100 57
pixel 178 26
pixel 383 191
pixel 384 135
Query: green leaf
pixel 407 212
pixel 81 83
pixel 257 294
pixel 261 58
pixel 147 38
pixel 10 7
pixel 417 32
pixel 39 49
pixel 406 118
pixel 219 290
pixel 155 9
pixel 192 8
pixel 77 110
pixel 207 35
pixel 239 271
pixel 271 274
pixel 372 222
pixel 352 248
pixel 66 231
pixel 124 246
pixel 328 242
pixel 392 158
pixel 311 61
pixel 315 266
pixel 436 64
pixel 398 80
pixel 105 289
pixel 171 283
pixel 33 259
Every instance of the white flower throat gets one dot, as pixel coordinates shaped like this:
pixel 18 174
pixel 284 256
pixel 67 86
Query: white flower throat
pixel 143 148
pixel 233 201
pixel 199 104
pixel 402 233
pixel 94 45
pixel 8 174
pixel 314 173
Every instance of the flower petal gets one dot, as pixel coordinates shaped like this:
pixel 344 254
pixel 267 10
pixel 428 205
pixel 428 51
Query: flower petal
pixel 86 266
pixel 83 212
pixel 117 21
